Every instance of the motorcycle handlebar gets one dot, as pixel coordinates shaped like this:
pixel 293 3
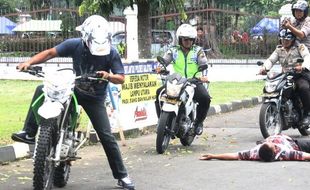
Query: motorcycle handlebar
pixel 195 80
pixel 33 70
pixel 37 71
pixel 91 77
pixel 161 71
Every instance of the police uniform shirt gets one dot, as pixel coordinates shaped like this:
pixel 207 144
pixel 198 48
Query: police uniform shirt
pixel 304 26
pixel 171 54
pixel 288 57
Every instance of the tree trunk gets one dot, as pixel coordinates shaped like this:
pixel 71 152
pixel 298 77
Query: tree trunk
pixel 144 30
pixel 212 35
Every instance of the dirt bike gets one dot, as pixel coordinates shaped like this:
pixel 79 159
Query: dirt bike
pixel 282 108
pixel 178 109
pixel 57 113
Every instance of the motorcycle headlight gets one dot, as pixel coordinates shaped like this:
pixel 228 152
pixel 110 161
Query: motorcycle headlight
pixel 271 86
pixel 55 92
pixel 58 85
pixel 174 89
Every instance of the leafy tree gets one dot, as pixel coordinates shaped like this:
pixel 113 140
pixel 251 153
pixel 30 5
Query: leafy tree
pixel 218 26
pixel 5 6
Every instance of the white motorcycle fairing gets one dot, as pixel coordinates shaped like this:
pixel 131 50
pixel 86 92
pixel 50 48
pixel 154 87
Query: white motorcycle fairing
pixel 50 109
pixel 171 108
pixel 189 105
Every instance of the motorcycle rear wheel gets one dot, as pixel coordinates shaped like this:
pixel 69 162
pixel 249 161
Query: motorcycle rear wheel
pixel 61 174
pixel 163 137
pixel 267 120
pixel 44 167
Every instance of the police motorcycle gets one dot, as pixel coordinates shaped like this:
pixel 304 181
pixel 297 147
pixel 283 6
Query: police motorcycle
pixel 178 109
pixel 282 108
pixel 57 113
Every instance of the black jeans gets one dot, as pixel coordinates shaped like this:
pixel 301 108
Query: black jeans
pixel 201 96
pixel 303 89
pixel 96 112
pixel 304 145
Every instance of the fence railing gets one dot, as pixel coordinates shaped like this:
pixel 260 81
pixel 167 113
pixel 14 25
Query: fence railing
pixel 228 32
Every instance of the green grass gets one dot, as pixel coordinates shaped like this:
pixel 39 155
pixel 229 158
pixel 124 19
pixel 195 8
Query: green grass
pixel 225 92
pixel 14 100
pixel 15 97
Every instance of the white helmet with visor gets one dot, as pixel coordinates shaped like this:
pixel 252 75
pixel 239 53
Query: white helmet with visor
pixel 96 34
pixel 300 5
pixel 186 31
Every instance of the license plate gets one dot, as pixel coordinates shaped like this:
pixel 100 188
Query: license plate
pixel 270 94
pixel 170 101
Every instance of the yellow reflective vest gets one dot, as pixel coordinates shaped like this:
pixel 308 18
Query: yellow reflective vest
pixel 186 65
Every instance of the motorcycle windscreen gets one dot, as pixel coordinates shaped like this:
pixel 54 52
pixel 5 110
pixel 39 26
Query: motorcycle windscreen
pixel 174 85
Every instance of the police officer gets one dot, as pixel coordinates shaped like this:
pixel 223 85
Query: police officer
pixel 300 26
pixel 185 59
pixel 287 54
pixel 121 47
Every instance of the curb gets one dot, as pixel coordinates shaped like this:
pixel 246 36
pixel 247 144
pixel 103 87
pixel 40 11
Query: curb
pixel 17 150
pixel 14 152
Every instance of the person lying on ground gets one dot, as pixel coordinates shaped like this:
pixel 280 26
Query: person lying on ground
pixel 273 148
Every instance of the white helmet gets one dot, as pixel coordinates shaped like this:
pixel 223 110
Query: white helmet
pixel 301 5
pixel 96 35
pixel 186 31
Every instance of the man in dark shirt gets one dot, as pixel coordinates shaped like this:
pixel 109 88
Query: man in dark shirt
pixel 202 39
pixel 90 54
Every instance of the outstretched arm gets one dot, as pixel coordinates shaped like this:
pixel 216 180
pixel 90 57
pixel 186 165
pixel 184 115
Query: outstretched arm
pixel 39 58
pixel 224 156
pixel 288 25
pixel 306 155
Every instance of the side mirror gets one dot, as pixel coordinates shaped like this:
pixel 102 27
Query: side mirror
pixel 260 63
pixel 300 60
pixel 161 60
pixel 202 67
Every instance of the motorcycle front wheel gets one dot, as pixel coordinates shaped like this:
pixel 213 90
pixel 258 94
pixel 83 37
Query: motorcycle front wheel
pixel 163 136
pixel 61 174
pixel 44 166
pixel 269 120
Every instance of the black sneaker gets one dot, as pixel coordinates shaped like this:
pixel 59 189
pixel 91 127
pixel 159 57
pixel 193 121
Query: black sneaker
pixel 126 183
pixel 198 128
pixel 23 137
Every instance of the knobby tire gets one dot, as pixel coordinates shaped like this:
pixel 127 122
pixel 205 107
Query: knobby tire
pixel 61 174
pixel 44 167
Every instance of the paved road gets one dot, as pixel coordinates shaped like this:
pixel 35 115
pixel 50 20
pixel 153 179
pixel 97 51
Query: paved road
pixel 180 168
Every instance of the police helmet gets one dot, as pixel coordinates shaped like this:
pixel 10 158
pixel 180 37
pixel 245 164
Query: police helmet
pixel 300 5
pixel 286 34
